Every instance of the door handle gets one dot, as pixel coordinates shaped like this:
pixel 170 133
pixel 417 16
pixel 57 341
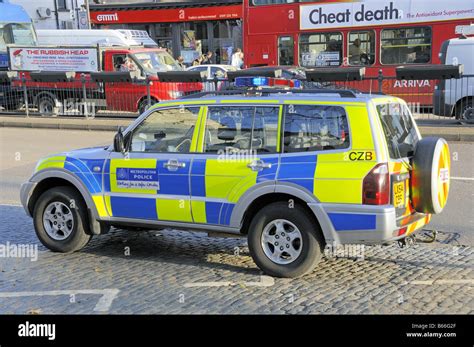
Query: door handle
pixel 259 165
pixel 174 164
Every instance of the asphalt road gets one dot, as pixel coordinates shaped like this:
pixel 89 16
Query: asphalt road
pixel 181 272
pixel 20 148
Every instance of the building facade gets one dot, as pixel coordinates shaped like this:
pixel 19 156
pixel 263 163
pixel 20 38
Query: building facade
pixel 54 14
pixel 187 28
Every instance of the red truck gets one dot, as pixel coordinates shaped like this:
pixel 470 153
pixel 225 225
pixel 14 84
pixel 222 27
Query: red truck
pixel 132 95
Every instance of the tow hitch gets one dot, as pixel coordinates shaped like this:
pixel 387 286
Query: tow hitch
pixel 406 242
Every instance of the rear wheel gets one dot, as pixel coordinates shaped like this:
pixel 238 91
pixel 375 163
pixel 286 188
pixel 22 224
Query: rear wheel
pixel 285 241
pixel 465 111
pixel 143 105
pixel 47 106
pixel 60 220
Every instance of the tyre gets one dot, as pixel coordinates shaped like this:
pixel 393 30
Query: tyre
pixel 465 111
pixel 430 175
pixel 284 241
pixel 47 106
pixel 60 220
pixel 143 105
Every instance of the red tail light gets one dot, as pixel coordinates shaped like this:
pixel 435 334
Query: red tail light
pixel 376 186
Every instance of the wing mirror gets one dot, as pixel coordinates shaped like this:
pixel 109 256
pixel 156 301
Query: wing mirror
pixel 119 142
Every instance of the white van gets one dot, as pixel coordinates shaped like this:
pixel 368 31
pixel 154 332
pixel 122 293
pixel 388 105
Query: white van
pixel 455 97
pixel 93 37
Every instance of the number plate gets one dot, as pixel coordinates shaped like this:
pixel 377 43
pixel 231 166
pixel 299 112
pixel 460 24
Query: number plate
pixel 399 194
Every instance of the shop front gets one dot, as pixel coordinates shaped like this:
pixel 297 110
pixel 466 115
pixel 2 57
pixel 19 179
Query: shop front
pixel 184 28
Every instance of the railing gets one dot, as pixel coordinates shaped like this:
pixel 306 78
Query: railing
pixel 442 96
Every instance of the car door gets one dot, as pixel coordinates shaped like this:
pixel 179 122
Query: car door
pixel 151 181
pixel 239 150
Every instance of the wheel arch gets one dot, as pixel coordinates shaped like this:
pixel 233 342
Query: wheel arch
pixel 251 202
pixel 50 178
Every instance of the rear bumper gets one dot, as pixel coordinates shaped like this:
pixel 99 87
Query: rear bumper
pixel 362 224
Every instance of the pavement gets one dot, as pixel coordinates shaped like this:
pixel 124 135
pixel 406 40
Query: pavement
pixel 172 272
pixel 443 128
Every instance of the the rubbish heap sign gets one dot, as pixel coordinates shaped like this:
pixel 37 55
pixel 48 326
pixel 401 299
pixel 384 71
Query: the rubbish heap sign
pixel 380 12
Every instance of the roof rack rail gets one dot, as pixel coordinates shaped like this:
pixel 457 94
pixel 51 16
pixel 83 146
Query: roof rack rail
pixel 344 93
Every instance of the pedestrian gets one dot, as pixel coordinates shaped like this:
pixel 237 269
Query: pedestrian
pixel 208 58
pixel 181 62
pixel 198 60
pixel 238 58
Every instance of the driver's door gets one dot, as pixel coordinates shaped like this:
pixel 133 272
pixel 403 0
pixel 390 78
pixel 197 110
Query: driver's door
pixel 151 181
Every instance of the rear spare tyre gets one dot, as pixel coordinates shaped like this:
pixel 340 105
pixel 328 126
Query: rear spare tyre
pixel 430 176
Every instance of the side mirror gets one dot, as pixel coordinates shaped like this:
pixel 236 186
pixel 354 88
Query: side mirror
pixel 119 145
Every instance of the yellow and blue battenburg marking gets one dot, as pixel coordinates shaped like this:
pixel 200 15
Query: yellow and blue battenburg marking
pixel 207 188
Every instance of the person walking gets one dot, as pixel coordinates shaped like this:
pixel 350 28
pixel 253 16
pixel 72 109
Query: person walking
pixel 238 58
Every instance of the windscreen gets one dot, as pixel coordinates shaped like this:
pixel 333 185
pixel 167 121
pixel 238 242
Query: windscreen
pixel 156 61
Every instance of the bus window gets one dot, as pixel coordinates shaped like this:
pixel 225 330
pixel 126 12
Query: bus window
pixel 285 50
pixel 321 49
pixel 406 45
pixel 361 47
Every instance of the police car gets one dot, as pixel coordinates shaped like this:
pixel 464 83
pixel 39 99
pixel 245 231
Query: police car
pixel 293 170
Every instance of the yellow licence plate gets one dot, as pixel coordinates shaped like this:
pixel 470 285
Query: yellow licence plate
pixel 399 194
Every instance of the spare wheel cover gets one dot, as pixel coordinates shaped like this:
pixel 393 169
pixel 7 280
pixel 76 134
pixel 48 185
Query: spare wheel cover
pixel 431 175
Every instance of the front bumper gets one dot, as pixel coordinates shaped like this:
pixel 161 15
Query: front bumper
pixel 26 190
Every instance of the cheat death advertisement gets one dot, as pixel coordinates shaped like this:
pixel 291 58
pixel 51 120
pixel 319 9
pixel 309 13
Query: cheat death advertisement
pixel 381 12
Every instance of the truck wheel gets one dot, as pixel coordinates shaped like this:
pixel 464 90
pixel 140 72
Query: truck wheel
pixel 465 111
pixel 47 106
pixel 143 105
pixel 430 175
pixel 60 220
pixel 284 241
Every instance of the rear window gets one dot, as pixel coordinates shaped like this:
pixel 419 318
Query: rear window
pixel 399 129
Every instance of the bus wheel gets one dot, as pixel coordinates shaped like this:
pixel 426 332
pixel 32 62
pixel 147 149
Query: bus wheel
pixel 48 106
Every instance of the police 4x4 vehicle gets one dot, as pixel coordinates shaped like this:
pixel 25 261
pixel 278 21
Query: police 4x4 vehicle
pixel 293 170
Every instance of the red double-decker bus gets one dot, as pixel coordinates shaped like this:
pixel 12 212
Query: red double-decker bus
pixel 376 34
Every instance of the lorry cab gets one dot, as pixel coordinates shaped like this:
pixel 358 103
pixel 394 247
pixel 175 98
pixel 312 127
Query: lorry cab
pixel 291 171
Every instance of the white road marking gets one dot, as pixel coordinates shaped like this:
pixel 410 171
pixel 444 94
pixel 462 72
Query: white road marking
pixel 429 283
pixel 463 178
pixel 103 305
pixel 265 281
pixel 11 205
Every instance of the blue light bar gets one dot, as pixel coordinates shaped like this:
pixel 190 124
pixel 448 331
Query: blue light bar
pixel 252 82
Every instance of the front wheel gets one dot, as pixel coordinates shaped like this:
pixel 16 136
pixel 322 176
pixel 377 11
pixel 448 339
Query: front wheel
pixel 284 241
pixel 60 220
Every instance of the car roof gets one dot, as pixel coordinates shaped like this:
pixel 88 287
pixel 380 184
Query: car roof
pixel 283 97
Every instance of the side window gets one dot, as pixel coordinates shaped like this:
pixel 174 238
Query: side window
pixel 361 49
pixel 321 49
pixel 165 131
pixel 315 128
pixel 123 62
pixel 218 72
pixel 406 45
pixel 237 129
